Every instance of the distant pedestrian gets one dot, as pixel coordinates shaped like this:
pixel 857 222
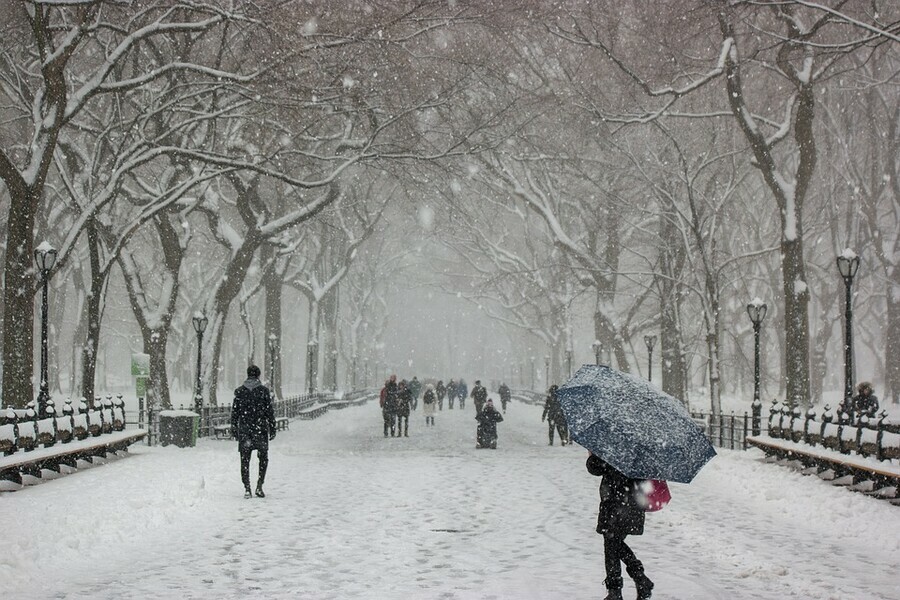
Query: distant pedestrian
pixel 389 405
pixel 429 403
pixel 404 404
pixel 253 424
pixel 554 415
pixel 415 388
pixel 864 403
pixel 452 391
pixel 486 434
pixel 479 396
pixel 462 392
pixel 441 391
pixel 505 396
pixel 620 515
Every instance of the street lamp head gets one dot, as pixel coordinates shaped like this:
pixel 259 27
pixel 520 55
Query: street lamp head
pixel 200 322
pixel 848 264
pixel 45 257
pixel 650 340
pixel 757 311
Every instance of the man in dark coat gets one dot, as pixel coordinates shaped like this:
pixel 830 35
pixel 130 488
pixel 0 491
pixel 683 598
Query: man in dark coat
pixel 620 515
pixel 452 391
pixel 389 406
pixel 404 403
pixel 462 392
pixel 440 390
pixel 505 396
pixel 865 402
pixel 486 434
pixel 479 395
pixel 415 388
pixel 253 424
pixel 554 415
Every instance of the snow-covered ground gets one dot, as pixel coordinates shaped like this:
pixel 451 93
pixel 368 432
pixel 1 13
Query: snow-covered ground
pixel 352 515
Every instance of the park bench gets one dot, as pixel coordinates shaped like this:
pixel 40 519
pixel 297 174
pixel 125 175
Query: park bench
pixel 31 445
pixel 859 455
pixel 313 412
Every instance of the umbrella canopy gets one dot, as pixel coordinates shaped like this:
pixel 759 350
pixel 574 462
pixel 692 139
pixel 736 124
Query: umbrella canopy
pixel 640 431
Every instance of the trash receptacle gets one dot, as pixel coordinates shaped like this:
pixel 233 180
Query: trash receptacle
pixel 178 427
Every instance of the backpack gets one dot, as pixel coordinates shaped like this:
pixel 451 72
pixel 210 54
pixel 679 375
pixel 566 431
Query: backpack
pixel 653 495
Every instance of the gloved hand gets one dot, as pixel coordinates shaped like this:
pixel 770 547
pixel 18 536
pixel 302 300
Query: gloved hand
pixel 271 435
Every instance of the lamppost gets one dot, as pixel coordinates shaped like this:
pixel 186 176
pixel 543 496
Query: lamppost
pixel 273 350
pixel 200 322
pixel 597 346
pixel 650 341
pixel 757 312
pixel 45 257
pixel 848 265
pixel 532 372
pixel 547 370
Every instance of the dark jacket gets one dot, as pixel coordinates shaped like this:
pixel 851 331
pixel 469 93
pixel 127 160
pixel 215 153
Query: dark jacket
pixel 504 393
pixel 253 415
pixel 404 402
pixel 553 410
pixel 620 514
pixel 865 404
pixel 487 423
pixel 440 390
pixel 391 390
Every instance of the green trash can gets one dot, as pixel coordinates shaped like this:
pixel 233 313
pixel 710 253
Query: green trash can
pixel 179 427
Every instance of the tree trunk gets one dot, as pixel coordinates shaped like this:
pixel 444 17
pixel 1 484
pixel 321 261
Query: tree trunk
pixel 274 295
pixel 329 323
pixel 892 341
pixel 94 314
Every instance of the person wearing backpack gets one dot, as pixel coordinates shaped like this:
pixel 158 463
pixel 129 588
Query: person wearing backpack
pixel 479 394
pixel 620 515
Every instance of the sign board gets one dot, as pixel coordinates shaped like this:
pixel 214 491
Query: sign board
pixel 140 384
pixel 140 364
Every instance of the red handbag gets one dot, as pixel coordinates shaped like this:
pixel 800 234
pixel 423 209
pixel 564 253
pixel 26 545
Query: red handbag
pixel 653 495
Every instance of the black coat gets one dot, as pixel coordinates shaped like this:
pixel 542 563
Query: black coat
pixel 865 404
pixel 253 415
pixel 487 422
pixel 390 398
pixel 404 402
pixel 553 410
pixel 620 514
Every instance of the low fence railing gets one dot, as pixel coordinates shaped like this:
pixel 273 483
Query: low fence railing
pixel 291 407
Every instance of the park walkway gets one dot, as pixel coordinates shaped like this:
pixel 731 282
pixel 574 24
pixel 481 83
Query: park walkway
pixel 352 515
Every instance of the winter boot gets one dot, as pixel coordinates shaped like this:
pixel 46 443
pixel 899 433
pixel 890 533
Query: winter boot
pixel 247 493
pixel 641 582
pixel 613 588
pixel 259 491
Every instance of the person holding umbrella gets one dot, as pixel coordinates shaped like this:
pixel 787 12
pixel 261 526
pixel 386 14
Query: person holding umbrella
pixel 620 515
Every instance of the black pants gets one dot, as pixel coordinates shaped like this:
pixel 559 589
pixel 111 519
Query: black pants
pixel 563 430
pixel 427 419
pixel 402 425
pixel 263 456
pixel 388 423
pixel 616 552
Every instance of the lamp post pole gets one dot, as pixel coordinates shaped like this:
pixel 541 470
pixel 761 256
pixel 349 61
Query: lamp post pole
pixel 273 349
pixel 596 345
pixel 756 310
pixel 200 321
pixel 650 341
pixel 45 257
pixel 547 370
pixel 848 265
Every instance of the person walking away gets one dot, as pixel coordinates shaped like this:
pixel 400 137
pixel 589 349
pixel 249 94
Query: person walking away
pixel 389 407
pixel 452 392
pixel 505 396
pixel 479 395
pixel 462 393
pixel 620 515
pixel 486 434
pixel 429 403
pixel 441 391
pixel 554 415
pixel 415 388
pixel 404 403
pixel 253 424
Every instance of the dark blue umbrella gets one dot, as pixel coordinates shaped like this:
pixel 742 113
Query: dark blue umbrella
pixel 642 432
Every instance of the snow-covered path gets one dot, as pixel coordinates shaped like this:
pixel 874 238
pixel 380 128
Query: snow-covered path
pixel 352 515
